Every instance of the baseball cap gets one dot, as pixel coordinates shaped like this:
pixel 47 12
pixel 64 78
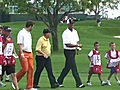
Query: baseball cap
pixel 47 31
pixel 7 28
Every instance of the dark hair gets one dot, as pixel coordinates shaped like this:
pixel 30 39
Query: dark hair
pixel 96 43
pixel 47 31
pixel 111 43
pixel 29 23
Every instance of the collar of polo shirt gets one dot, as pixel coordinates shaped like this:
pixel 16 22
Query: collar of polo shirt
pixel 45 38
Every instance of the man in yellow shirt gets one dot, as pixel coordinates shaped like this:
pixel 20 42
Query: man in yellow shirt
pixel 43 51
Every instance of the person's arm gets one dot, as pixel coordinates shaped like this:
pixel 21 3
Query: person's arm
pixel 89 57
pixel 66 41
pixel 5 44
pixel 38 48
pixel 41 52
pixel 107 56
pixel 90 60
pixel 21 54
pixel 20 45
pixel 20 48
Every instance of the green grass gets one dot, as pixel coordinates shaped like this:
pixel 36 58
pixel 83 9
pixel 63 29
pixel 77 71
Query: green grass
pixel 89 33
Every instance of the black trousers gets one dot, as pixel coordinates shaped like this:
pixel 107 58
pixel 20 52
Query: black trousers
pixel 70 64
pixel 42 62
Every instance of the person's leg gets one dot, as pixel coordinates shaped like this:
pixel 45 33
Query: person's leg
pixel 3 71
pixel 111 72
pixel 24 67
pixel 10 70
pixel 30 71
pixel 51 77
pixel 101 81
pixel 89 77
pixel 1 84
pixel 39 68
pixel 88 81
pixel 14 81
pixel 66 69
pixel 7 77
pixel 73 67
pixel 100 77
pixel 110 75
pixel 117 79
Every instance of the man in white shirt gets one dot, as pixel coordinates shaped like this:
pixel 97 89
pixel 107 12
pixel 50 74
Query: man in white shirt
pixel 70 42
pixel 24 41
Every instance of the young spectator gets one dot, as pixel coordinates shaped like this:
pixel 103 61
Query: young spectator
pixel 1 58
pixel 95 60
pixel 113 57
pixel 8 47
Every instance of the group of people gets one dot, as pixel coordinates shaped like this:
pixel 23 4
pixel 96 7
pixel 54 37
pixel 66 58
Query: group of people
pixel 43 51
pixel 8 55
pixel 113 63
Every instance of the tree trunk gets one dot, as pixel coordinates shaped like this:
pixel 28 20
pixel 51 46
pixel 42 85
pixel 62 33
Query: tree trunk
pixel 55 38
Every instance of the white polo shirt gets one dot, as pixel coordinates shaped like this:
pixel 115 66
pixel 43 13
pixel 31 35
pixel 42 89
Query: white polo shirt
pixel 70 37
pixel 24 38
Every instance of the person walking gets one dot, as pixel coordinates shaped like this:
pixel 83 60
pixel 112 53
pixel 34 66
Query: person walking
pixel 70 42
pixel 24 41
pixel 8 48
pixel 113 62
pixel 95 64
pixel 1 58
pixel 43 51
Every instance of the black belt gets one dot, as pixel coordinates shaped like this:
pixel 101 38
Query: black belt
pixel 70 49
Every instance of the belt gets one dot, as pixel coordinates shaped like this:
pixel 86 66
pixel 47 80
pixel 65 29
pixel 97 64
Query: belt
pixel 26 51
pixel 70 49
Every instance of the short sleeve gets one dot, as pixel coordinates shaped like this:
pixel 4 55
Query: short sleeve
pixel 106 55
pixel 77 37
pixel 90 53
pixel 65 38
pixel 20 38
pixel 39 45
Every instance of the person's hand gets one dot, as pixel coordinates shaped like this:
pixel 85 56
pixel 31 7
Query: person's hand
pixel 22 57
pixel 92 63
pixel 15 55
pixel 109 60
pixel 7 39
pixel 45 55
pixel 80 45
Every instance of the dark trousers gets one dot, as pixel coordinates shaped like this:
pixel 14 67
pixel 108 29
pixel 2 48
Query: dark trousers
pixel 70 64
pixel 42 62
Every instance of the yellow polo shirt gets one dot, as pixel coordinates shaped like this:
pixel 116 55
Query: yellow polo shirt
pixel 43 45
